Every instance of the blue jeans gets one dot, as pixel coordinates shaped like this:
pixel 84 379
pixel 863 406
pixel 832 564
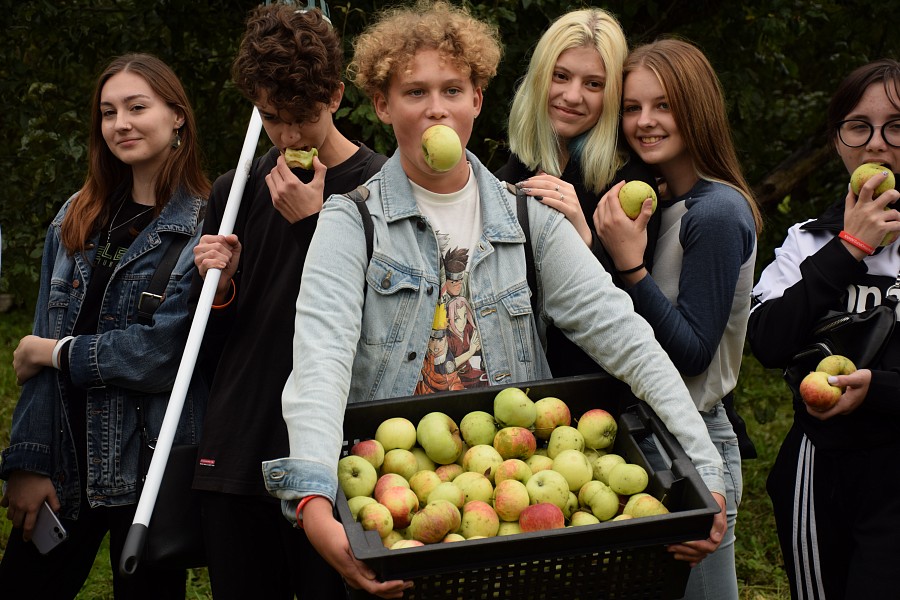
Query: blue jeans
pixel 715 577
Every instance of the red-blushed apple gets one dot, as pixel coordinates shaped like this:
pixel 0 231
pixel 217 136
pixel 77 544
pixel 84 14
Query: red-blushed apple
pixel 513 408
pixel 453 537
pixel 392 538
pixel 583 517
pixel 548 486
pixel 439 436
pixel 509 528
pixel 817 393
pixel 371 450
pixel 550 413
pixel 386 481
pixel 628 479
pixel 836 364
pixel 449 472
pixel 603 465
pixel 564 437
pixel 575 467
pixel 631 500
pixel 357 503
pixel 512 468
pixel 396 432
pixel 541 517
pixel 452 511
pixel 449 491
pixel 515 442
pixel 539 462
pixel 401 544
pixel 598 428
pixel 476 486
pixel 482 459
pixel 375 517
pixel 402 502
pixel 431 524
pixel 356 476
pixel 423 483
pixel 478 427
pixel 647 506
pixel 478 519
pixel 510 497
pixel 400 461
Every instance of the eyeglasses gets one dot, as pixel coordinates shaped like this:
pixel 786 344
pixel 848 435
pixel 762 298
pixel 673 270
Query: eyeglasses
pixel 855 133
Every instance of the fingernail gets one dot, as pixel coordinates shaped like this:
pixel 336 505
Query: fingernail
pixel 832 379
pixel 538 197
pixel 520 184
pixel 526 190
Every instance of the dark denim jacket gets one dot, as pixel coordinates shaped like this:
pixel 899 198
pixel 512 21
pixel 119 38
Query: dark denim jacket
pixel 124 362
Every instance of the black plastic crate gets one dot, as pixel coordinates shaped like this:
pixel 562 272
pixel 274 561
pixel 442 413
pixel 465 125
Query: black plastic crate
pixel 612 560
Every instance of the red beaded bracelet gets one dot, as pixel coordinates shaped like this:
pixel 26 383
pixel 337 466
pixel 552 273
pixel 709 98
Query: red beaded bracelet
pixel 300 506
pixel 856 242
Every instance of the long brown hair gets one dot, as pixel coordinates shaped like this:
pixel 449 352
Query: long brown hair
pixel 697 102
pixel 106 173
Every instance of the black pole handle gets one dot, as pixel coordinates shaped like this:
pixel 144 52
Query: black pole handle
pixel 133 549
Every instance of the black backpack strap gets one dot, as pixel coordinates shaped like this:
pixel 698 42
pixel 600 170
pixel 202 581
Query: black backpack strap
pixel 359 197
pixel 522 214
pixel 156 291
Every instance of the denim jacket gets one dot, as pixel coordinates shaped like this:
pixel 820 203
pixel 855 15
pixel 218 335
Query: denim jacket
pixel 359 343
pixel 124 362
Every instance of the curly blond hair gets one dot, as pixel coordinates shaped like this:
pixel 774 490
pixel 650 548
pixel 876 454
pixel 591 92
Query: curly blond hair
pixel 389 44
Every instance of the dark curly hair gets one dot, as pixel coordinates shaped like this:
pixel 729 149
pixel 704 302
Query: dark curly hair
pixel 294 57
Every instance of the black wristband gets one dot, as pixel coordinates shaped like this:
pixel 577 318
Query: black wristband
pixel 633 270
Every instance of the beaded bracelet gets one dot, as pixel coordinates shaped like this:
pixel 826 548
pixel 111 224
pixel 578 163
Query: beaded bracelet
pixel 856 242
pixel 629 271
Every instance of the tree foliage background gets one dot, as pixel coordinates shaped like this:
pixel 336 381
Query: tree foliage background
pixel 778 61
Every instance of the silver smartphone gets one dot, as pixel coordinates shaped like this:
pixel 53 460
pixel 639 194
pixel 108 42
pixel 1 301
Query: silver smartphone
pixel 48 531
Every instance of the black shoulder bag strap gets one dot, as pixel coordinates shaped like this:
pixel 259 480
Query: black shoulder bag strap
pixel 522 214
pixel 156 291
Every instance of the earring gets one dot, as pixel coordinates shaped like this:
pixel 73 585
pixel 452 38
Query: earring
pixel 176 143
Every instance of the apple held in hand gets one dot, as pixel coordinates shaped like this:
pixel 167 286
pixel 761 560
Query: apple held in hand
pixel 442 148
pixel 357 476
pixel 817 393
pixel 300 158
pixel 836 365
pixel 861 175
pixel 632 196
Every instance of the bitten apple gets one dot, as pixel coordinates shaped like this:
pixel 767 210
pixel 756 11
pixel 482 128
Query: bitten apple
pixel 861 175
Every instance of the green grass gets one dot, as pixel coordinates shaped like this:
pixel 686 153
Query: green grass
pixel 759 563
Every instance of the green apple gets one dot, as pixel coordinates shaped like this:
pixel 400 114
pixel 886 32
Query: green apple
pixel 453 537
pixel 513 408
pixel 541 517
pixel 396 432
pixel 836 364
pixel 431 524
pixel 357 476
pixel 539 462
pixel 375 517
pixel 629 504
pixel 598 428
pixel 582 517
pixel 478 427
pixel 647 506
pixel 439 436
pixel 423 483
pixel 564 437
pixel 425 463
pixel 392 538
pixel 512 468
pixel 442 148
pixel 548 486
pixel 628 479
pixel 300 158
pixel 449 472
pixel 509 528
pixel 550 413
pixel 476 486
pixel 515 442
pixel 603 465
pixel 478 519
pixel 482 459
pixel 400 461
pixel 575 467
pixel 510 497
pixel 866 171
pixel 571 505
pixel 602 501
pixel 632 196
pixel 356 503
pixel 449 491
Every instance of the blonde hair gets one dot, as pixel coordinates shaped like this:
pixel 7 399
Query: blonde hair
pixel 697 101
pixel 390 44
pixel 532 137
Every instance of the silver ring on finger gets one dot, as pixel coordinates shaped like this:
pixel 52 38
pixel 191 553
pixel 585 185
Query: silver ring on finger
pixel 557 187
pixel 562 197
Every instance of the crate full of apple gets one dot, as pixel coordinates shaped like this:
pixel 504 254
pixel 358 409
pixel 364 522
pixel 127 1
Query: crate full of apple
pixel 542 485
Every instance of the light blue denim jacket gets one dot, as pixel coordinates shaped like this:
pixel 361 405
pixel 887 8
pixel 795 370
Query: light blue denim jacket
pixel 348 348
pixel 123 362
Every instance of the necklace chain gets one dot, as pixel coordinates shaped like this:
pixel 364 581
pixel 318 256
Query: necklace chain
pixel 112 223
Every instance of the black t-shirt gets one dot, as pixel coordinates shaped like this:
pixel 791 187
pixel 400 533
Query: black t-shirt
pixel 247 349
pixel 563 355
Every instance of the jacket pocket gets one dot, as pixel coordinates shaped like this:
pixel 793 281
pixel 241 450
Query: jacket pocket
pixel 517 304
pixel 397 291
